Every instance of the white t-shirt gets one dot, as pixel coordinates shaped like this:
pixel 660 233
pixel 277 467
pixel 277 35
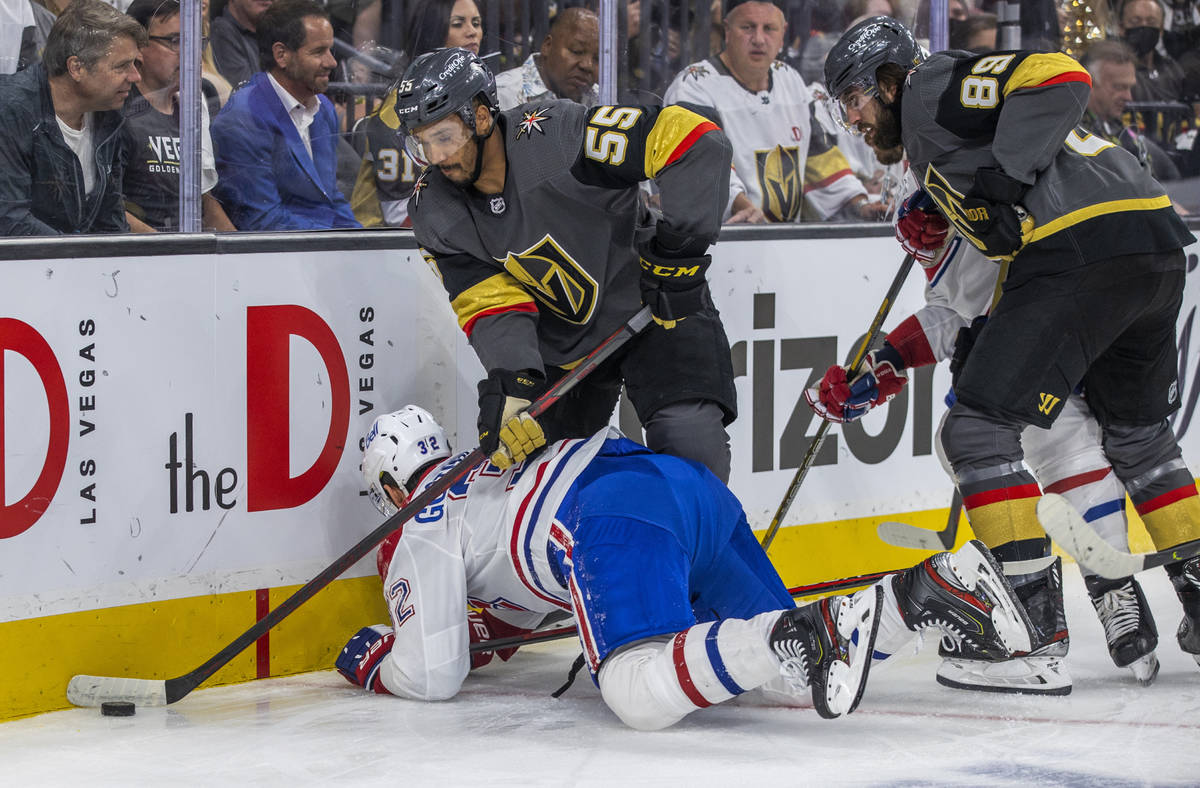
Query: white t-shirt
pixel 781 156
pixel 81 142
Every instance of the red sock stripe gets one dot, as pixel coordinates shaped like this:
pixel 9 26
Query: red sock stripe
pixel 1015 493
pixel 1078 480
pixel 1166 499
pixel 684 675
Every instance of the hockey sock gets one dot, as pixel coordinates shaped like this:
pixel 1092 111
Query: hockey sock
pixel 894 634
pixel 1172 517
pixel 1100 498
pixel 655 683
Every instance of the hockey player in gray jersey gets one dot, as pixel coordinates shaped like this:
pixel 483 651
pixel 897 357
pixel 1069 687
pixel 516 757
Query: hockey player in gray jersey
pixel 530 216
pixel 1094 281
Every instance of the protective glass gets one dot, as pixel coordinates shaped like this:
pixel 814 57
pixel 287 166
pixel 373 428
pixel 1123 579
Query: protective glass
pixel 853 99
pixel 438 141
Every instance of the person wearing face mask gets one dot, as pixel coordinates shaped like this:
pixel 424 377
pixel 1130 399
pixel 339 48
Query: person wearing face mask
pixel 1159 78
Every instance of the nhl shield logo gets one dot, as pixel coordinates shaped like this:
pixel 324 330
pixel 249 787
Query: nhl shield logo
pixel 1172 392
pixel 497 205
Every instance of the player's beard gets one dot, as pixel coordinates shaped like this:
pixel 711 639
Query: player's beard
pixel 884 137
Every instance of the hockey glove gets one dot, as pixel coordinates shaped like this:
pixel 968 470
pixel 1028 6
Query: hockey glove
pixel 483 626
pixel 360 660
pixel 920 229
pixel 839 400
pixel 506 433
pixel 991 214
pixel 673 283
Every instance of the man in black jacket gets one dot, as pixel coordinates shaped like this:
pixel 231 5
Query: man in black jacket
pixel 60 163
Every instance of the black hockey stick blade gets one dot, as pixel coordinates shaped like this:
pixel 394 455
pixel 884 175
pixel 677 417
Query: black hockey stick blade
pixel 912 537
pixel 876 324
pixel 84 690
pixel 1072 533
pixel 560 633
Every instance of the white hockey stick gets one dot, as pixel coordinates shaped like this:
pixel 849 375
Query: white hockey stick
pixel 1072 533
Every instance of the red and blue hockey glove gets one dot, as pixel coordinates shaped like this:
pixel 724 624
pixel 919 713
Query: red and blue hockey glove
pixel 362 657
pixel 673 280
pixel 991 214
pixel 483 626
pixel 506 433
pixel 920 229
pixel 839 400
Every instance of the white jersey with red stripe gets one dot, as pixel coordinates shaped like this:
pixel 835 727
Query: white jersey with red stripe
pixel 782 155
pixel 484 542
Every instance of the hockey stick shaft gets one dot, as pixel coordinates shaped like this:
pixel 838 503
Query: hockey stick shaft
pixel 92 690
pixel 810 455
pixel 560 633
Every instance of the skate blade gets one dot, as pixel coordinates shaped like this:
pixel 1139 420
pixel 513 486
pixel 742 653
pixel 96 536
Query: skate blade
pixel 847 681
pixel 976 567
pixel 1145 669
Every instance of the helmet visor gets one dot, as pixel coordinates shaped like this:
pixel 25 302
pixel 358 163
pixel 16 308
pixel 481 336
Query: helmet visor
pixel 848 107
pixel 438 141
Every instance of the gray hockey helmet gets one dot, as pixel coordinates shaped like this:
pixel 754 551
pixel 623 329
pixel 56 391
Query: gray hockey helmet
pixel 864 48
pixel 438 84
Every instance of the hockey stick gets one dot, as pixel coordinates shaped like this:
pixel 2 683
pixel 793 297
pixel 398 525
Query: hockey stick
pixel 560 633
pixel 905 535
pixel 1072 533
pixel 86 690
pixel 819 438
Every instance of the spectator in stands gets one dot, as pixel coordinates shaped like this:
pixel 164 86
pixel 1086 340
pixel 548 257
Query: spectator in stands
pixel 431 24
pixel 1159 78
pixel 386 175
pixel 782 154
pixel 235 39
pixel 1111 65
pixel 566 67
pixel 276 140
pixel 975 33
pixel 856 10
pixel 60 126
pixel 151 131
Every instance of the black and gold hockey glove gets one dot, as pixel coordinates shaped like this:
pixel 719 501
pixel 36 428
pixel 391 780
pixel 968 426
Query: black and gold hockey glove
pixel 506 432
pixel 991 213
pixel 673 276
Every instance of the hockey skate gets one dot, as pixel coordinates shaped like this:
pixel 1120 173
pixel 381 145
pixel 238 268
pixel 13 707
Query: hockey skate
pixel 827 647
pixel 1185 576
pixel 965 596
pixel 1039 671
pixel 1128 625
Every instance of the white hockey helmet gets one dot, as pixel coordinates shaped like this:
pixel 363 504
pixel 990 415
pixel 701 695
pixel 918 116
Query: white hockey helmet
pixel 398 445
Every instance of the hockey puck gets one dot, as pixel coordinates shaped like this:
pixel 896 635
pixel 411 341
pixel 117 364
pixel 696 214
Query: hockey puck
pixel 117 708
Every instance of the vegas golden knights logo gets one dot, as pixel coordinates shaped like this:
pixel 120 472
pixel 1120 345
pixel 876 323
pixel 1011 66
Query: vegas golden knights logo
pixel 555 279
pixel 1048 401
pixel 780 181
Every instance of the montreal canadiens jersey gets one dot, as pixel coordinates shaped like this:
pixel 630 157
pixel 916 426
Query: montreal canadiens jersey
pixel 782 155
pixel 385 179
pixel 485 542
pixel 542 273
pixel 1088 199
pixel 960 285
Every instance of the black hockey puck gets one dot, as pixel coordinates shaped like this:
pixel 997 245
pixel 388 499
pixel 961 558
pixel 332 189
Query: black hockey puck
pixel 117 708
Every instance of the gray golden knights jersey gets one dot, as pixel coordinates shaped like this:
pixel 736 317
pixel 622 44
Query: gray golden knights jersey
pixel 1088 199
pixel 540 274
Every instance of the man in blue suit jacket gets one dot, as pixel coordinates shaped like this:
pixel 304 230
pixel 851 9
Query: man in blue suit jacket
pixel 276 139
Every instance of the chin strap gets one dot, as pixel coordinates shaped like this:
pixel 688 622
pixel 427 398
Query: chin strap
pixel 479 140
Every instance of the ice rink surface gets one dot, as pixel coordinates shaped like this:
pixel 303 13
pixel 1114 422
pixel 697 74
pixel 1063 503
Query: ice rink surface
pixel 505 729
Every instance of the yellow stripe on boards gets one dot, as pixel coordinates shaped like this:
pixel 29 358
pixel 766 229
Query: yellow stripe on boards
pixel 168 638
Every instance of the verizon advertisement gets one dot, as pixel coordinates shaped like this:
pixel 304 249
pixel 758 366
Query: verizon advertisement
pixel 179 426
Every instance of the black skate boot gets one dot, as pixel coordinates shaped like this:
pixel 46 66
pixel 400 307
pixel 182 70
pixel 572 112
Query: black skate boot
pixel 817 648
pixel 966 597
pixel 1185 576
pixel 1039 671
pixel 1128 625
